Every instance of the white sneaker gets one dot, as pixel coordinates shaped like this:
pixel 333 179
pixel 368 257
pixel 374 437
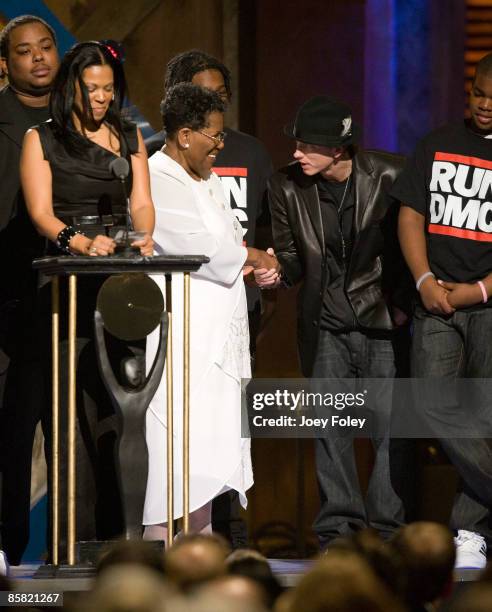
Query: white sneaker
pixel 471 550
pixel 4 564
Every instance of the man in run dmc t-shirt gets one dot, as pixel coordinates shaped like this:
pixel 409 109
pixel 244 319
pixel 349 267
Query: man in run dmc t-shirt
pixel 445 230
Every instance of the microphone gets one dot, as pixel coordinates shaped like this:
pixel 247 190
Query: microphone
pixel 120 168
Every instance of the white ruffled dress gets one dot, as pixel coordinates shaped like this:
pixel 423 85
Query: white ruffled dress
pixel 193 217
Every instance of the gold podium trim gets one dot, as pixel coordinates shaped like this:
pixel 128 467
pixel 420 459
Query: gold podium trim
pixel 170 416
pixel 55 418
pixel 186 405
pixel 72 416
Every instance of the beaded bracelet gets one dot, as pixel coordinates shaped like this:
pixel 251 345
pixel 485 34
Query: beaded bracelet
pixel 64 237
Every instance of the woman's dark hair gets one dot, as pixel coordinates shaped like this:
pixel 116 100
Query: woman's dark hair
pixel 188 105
pixel 62 99
pixel 16 23
pixel 183 67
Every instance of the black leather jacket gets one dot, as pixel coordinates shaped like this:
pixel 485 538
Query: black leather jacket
pixel 376 276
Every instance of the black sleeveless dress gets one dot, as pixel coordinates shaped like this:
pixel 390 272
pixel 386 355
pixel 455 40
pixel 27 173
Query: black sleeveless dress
pixel 78 184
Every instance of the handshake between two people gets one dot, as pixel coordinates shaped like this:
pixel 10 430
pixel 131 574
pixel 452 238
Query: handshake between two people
pixel 261 269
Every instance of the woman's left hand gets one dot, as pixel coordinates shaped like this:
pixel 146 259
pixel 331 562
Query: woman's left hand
pixel 146 245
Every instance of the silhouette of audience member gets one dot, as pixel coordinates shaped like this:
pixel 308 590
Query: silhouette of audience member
pixel 212 602
pixel 135 552
pixel 238 590
pixel 129 588
pixel 429 553
pixel 253 565
pixel 385 562
pixel 341 580
pixel 195 559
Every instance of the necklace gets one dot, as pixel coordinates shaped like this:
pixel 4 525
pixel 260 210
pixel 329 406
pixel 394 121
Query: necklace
pixel 340 220
pixel 340 208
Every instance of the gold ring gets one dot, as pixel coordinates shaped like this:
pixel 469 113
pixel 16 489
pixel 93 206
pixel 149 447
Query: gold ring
pixel 93 250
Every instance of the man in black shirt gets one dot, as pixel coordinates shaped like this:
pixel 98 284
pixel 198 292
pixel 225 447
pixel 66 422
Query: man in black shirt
pixel 446 234
pixel 28 56
pixel 334 232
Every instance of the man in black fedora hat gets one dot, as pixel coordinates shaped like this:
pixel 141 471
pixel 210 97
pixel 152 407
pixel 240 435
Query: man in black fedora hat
pixel 334 230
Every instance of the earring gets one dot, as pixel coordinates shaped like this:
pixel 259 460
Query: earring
pixel 112 98
pixel 186 146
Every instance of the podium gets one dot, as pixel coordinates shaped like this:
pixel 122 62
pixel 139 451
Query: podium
pixel 72 267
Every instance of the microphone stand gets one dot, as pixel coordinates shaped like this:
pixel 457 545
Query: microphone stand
pixel 128 219
pixel 105 210
pixel 120 169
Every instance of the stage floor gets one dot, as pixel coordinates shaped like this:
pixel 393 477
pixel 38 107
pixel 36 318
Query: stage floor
pixel 288 572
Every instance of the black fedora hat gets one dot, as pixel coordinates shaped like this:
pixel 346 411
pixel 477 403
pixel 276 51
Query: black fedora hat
pixel 324 121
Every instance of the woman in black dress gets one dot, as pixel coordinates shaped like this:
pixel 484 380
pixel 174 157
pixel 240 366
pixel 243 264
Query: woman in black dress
pixel 66 178
pixel 65 162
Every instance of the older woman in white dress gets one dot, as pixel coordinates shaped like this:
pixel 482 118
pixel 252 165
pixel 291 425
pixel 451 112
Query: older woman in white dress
pixel 193 217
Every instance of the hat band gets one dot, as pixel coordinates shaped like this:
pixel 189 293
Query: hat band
pixel 328 138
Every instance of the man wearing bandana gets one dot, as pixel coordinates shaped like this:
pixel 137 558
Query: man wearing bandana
pixel 334 231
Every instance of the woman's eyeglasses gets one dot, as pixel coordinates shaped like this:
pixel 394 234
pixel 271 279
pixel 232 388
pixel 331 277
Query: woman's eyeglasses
pixel 217 139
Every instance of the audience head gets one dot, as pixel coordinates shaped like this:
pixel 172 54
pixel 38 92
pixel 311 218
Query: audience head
pixel 196 558
pixel 212 602
pixel 28 55
pixel 238 590
pixel 133 552
pixel 384 560
pixel 428 552
pixel 341 581
pixel 253 565
pixel 129 588
pixel 199 68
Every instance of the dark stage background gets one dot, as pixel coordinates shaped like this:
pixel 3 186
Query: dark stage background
pixel 403 67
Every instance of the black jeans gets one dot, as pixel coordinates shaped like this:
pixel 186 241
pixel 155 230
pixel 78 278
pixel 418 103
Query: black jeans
pixel 343 507
pixel 455 347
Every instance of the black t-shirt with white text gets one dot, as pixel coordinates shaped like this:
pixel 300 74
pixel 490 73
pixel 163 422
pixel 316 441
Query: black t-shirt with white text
pixel 449 181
